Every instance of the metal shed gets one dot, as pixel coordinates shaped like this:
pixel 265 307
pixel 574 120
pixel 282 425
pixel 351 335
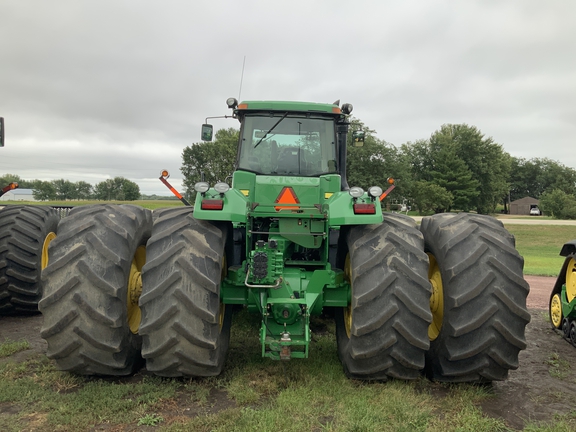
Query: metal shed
pixel 523 206
pixel 18 195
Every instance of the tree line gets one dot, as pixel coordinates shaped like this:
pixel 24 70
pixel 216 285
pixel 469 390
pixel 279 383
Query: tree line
pixel 457 168
pixel 118 188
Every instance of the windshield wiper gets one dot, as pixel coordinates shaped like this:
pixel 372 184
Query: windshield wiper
pixel 271 129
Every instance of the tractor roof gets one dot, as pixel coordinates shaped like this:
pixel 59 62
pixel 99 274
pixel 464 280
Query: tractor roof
pixel 289 106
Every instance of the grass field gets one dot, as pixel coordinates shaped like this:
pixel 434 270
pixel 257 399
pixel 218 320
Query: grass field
pixel 252 394
pixel 540 246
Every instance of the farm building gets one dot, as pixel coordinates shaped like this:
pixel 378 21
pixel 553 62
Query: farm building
pixel 523 206
pixel 18 195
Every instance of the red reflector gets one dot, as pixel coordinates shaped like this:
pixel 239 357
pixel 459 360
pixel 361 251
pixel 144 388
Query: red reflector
pixel 364 209
pixel 212 204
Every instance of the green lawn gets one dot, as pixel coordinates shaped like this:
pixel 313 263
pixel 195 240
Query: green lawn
pixel 252 394
pixel 540 246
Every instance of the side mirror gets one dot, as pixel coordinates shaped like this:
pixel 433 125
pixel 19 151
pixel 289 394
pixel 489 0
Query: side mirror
pixel 1 131
pixel 358 138
pixel 207 132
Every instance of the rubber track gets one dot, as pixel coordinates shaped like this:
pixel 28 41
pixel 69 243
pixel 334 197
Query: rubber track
pixel 485 312
pixel 390 298
pixel 85 307
pixel 23 230
pixel 181 298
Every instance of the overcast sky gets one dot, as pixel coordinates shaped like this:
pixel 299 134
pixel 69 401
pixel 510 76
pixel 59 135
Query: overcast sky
pixel 91 90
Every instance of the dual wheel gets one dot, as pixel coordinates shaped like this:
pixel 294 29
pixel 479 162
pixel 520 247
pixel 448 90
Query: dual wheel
pixel 449 299
pixel 25 233
pixel 122 286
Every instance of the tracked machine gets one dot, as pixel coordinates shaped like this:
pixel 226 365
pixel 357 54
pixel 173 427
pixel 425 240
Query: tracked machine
pixel 287 240
pixel 562 306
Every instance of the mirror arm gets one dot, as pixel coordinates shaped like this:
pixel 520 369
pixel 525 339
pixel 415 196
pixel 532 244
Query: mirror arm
pixel 226 116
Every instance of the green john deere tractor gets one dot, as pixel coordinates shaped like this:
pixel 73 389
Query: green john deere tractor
pixel 562 306
pixel 25 233
pixel 287 240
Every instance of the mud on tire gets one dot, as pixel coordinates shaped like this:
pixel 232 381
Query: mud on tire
pixel 387 335
pixel 23 233
pixel 185 329
pixel 484 295
pixel 86 280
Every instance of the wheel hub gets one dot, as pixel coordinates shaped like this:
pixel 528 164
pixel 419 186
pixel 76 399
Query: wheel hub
pixel 436 298
pixel 556 311
pixel 135 289
pixel 51 236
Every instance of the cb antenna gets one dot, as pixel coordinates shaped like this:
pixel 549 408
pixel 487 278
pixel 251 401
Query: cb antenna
pixel 241 78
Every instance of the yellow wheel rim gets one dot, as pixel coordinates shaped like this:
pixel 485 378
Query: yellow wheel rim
pixel 348 310
pixel 436 299
pixel 135 289
pixel 571 280
pixel 44 261
pixel 556 311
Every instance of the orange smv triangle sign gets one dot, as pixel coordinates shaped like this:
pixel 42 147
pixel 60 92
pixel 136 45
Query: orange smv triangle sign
pixel 287 196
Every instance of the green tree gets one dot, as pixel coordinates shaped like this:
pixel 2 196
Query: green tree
pixel 486 160
pixel 65 189
pixel 429 197
pixel 558 204
pixel 43 190
pixel 418 156
pixel 451 173
pixel 458 157
pixel 216 160
pixel 557 176
pixel 105 190
pixel 130 190
pixel 83 190
pixel 535 176
pixel 118 189
pixel 525 179
pixel 6 179
pixel 376 161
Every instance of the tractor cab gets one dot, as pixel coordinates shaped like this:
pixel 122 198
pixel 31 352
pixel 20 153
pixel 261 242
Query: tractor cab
pixel 295 145
pixel 290 138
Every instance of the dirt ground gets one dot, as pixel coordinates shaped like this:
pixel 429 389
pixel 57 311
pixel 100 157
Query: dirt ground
pixel 543 385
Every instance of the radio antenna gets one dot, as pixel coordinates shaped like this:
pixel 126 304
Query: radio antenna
pixel 241 78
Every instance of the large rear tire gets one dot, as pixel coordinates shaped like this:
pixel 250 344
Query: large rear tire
pixel 478 280
pixel 25 232
pixel 185 328
pixel 383 333
pixel 92 287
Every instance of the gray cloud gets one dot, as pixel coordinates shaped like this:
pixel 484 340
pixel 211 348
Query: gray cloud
pixel 95 89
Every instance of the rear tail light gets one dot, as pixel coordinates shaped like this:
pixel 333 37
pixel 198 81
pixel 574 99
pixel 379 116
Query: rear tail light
pixel 364 209
pixel 212 204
